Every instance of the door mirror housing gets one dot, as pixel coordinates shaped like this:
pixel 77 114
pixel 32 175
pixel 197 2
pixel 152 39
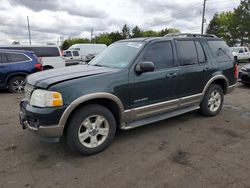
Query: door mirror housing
pixel 145 66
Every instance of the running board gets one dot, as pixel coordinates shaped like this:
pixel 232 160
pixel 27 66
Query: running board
pixel 156 118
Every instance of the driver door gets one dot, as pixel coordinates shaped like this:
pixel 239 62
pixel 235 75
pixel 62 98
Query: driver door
pixel 151 90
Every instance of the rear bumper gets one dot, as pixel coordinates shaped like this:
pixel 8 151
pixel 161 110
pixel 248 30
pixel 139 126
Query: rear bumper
pixel 41 121
pixel 231 88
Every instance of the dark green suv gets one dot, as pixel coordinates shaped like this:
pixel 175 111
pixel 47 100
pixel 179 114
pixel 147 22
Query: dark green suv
pixel 132 83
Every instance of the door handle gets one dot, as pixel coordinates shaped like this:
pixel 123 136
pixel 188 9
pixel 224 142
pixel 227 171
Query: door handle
pixel 171 75
pixel 206 69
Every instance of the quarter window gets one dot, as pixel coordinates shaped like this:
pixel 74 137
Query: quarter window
pixel 161 54
pixel 220 51
pixel 15 57
pixel 187 53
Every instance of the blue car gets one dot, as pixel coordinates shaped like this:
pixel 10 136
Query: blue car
pixel 15 65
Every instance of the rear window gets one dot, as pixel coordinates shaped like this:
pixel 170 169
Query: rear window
pixel 16 57
pixel 75 53
pixel 68 54
pixel 220 51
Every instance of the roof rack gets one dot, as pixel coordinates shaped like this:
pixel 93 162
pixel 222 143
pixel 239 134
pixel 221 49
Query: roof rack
pixel 190 35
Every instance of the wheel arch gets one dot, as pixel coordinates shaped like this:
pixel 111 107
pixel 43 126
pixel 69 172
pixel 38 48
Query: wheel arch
pixel 220 80
pixel 10 76
pixel 110 101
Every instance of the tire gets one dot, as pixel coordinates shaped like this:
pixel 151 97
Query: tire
pixel 16 84
pixel 83 124
pixel 236 59
pixel 215 97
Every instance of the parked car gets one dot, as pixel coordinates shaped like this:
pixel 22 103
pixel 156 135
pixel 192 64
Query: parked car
pixel 244 75
pixel 132 83
pixel 50 55
pixel 71 57
pixel 15 65
pixel 241 53
pixel 86 49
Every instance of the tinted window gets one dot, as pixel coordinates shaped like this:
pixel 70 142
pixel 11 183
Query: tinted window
pixel 161 54
pixel 187 53
pixel 201 55
pixel 3 58
pixel 220 51
pixel 75 53
pixel 68 54
pixel 16 57
pixel 46 51
pixel 39 51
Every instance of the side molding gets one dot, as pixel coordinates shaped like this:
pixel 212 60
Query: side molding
pixel 85 98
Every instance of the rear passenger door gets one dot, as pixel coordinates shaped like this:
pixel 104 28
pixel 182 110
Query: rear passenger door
pixel 192 66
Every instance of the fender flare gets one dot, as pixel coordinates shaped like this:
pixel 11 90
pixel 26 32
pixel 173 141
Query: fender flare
pixel 85 98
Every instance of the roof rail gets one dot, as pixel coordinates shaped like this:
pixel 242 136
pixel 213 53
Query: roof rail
pixel 190 35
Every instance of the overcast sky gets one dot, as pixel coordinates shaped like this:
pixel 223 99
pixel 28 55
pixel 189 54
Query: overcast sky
pixel 52 19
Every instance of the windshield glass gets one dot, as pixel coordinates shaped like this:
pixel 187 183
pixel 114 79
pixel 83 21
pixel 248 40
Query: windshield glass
pixel 118 55
pixel 234 49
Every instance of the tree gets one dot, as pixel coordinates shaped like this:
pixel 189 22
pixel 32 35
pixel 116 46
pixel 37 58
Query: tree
pixel 136 32
pixel 115 36
pixel 15 42
pixel 65 45
pixel 233 27
pixel 125 32
pixel 103 39
pixel 150 33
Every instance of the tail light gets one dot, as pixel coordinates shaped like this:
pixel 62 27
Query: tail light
pixel 236 71
pixel 39 66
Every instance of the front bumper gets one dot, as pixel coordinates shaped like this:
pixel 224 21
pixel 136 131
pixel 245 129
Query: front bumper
pixel 41 121
pixel 244 77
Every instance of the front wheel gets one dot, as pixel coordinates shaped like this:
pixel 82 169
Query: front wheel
pixel 212 101
pixel 16 84
pixel 91 129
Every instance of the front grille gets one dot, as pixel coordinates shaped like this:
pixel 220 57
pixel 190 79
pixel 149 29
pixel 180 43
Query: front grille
pixel 28 91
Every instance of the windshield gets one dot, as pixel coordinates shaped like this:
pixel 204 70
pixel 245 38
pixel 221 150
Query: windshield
pixel 234 49
pixel 118 55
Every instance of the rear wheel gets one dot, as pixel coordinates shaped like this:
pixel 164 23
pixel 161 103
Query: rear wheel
pixel 212 101
pixel 16 84
pixel 91 129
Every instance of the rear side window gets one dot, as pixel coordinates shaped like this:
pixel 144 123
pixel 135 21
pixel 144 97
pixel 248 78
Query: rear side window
pixel 187 53
pixel 16 57
pixel 161 54
pixel 220 51
pixel 3 58
pixel 46 51
pixel 200 52
pixel 75 53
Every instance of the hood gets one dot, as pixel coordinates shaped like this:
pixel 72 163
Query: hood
pixel 50 77
pixel 234 53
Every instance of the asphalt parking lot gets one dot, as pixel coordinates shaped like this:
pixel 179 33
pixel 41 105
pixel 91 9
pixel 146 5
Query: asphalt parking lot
pixel 185 151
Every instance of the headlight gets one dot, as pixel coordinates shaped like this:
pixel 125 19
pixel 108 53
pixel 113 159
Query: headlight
pixel 44 98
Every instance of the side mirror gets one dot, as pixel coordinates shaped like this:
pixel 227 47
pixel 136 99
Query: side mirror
pixel 145 66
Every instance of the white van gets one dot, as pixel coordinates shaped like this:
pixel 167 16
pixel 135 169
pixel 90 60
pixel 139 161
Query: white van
pixel 87 49
pixel 49 55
